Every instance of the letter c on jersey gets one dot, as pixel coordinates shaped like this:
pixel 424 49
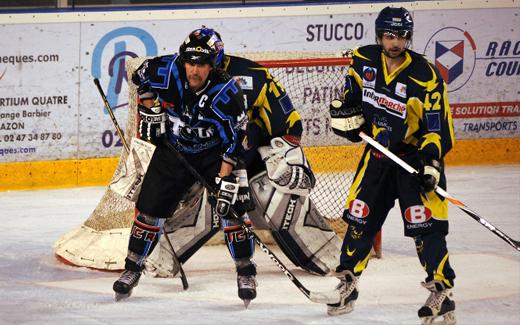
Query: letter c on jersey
pixel 417 214
pixel 359 209
pixel 202 100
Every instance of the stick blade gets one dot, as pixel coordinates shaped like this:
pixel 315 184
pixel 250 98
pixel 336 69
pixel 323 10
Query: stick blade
pixel 326 297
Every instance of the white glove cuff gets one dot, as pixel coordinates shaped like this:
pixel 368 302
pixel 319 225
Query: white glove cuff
pixel 348 124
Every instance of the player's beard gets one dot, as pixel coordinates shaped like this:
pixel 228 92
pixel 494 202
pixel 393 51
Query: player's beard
pixel 394 52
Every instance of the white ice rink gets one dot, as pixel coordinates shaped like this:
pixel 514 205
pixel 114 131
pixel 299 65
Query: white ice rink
pixel 37 289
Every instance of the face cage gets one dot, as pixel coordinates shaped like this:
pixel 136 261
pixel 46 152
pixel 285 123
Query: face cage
pixel 399 33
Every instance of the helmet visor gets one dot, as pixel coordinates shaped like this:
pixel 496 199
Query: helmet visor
pixel 393 34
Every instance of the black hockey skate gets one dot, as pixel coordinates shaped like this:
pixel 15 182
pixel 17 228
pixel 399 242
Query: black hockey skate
pixel 439 304
pixel 246 288
pixel 125 284
pixel 348 291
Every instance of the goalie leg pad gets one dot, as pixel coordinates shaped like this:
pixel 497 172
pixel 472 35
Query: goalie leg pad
pixel 144 235
pixel 129 178
pixel 300 230
pixel 190 227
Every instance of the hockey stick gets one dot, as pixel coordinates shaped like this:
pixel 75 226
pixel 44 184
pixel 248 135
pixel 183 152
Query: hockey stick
pixel 317 297
pixel 111 113
pixel 442 192
pixel 175 259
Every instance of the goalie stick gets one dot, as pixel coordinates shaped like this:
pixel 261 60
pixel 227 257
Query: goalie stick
pixel 175 259
pixel 442 192
pixel 317 297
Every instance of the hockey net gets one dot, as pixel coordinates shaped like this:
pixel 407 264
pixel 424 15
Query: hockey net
pixel 311 80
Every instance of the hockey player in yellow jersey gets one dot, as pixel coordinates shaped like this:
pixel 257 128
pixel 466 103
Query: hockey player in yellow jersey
pixel 398 97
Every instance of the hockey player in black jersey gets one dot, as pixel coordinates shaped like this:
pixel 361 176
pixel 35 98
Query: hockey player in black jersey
pixel 280 181
pixel 399 98
pixel 187 104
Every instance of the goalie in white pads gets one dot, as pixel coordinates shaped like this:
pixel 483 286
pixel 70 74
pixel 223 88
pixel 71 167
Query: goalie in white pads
pixel 280 192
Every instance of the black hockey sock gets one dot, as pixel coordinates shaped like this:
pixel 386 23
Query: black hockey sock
pixel 240 244
pixel 144 235
pixel 433 254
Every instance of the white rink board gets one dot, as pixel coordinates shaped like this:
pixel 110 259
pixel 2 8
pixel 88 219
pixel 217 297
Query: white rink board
pixel 39 91
pixel 98 44
pixel 490 75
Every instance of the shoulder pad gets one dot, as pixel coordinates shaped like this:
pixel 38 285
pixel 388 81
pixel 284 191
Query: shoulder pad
pixel 368 52
pixel 422 65
pixel 229 97
pixel 424 73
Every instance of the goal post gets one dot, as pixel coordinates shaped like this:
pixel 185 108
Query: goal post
pixel 311 81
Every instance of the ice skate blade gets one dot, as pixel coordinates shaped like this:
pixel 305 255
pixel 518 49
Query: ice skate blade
pixel 446 319
pixel 336 311
pixel 246 302
pixel 122 296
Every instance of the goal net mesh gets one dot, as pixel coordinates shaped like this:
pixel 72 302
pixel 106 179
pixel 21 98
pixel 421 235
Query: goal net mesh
pixel 311 80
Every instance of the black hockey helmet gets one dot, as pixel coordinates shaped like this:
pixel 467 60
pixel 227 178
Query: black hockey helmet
pixel 202 45
pixel 394 20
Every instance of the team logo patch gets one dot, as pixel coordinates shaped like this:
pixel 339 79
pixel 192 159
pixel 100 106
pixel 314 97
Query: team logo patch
pixel 400 90
pixel 369 76
pixel 245 82
pixel 417 214
pixel 358 209
pixel 433 121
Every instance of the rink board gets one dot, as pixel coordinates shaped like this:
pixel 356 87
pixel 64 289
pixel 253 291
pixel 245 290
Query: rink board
pixel 96 172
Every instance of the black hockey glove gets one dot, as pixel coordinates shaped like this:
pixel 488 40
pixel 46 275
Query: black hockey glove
pixel 244 201
pixel 429 174
pixel 226 195
pixel 152 122
pixel 346 121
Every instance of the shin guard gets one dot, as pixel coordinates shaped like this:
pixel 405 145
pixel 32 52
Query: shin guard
pixel 433 254
pixel 240 244
pixel 144 235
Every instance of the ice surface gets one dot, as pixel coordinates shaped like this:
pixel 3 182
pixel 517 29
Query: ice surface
pixel 37 289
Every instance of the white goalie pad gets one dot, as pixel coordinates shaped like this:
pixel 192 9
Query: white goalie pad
pixel 295 223
pixel 302 233
pixel 287 167
pixel 129 177
pixel 190 227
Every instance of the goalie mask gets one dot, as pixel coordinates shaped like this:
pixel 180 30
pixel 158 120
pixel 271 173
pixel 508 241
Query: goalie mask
pixel 287 167
pixel 202 46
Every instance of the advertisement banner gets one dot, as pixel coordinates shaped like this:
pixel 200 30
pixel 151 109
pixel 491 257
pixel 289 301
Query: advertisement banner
pixel 107 46
pixel 477 52
pixel 39 76
pixel 50 108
